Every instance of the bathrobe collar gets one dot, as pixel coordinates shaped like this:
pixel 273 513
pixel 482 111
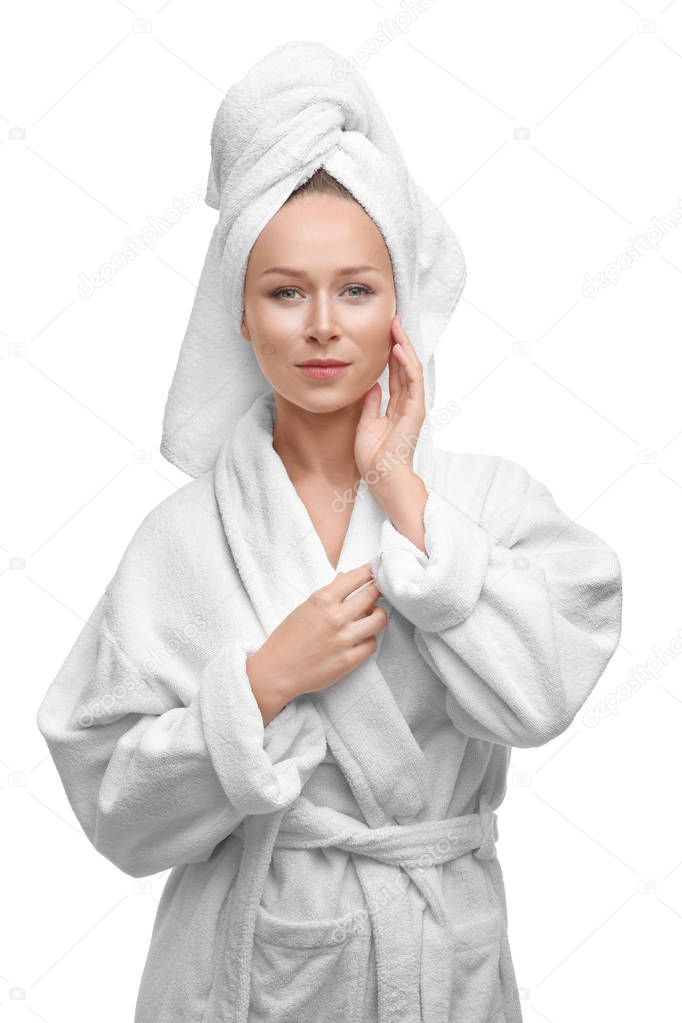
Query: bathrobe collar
pixel 281 560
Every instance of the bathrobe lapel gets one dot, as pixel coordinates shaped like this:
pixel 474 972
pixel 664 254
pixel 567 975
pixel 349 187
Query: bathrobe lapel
pixel 281 561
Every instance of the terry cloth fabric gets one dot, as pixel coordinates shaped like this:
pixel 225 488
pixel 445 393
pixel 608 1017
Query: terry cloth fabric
pixel 338 864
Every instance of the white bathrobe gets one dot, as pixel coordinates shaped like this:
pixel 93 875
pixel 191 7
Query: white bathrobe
pixel 338 865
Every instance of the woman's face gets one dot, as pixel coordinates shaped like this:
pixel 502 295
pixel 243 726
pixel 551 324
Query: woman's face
pixel 319 285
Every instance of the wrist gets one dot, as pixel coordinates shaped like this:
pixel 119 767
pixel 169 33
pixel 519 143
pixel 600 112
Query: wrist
pixel 400 492
pixel 271 697
pixel 404 505
pixel 394 482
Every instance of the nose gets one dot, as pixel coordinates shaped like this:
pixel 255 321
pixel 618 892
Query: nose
pixel 321 325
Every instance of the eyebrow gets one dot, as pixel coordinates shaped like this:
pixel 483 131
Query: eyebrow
pixel 288 271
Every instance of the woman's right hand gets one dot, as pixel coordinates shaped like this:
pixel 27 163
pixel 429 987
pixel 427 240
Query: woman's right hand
pixel 323 639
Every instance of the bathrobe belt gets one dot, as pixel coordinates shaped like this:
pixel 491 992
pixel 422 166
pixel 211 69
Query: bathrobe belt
pixel 378 856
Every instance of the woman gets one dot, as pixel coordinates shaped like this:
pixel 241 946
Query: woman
pixel 300 688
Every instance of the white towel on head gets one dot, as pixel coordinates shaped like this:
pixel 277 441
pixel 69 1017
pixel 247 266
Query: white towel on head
pixel 287 117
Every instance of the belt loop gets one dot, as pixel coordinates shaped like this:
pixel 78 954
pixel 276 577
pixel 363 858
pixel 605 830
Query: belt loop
pixel 489 832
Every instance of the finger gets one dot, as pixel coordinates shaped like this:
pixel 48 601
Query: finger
pixel 404 337
pixel 348 582
pixel 409 349
pixel 414 372
pixel 362 602
pixel 398 359
pixel 400 356
pixel 410 373
pixel 368 626
pixel 411 358
pixel 370 406
pixel 393 383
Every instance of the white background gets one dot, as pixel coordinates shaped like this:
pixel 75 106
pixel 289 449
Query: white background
pixel 549 134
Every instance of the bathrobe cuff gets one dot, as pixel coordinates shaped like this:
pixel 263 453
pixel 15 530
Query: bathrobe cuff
pixel 261 768
pixel 437 589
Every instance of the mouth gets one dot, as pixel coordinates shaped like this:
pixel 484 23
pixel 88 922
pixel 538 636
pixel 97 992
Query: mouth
pixel 323 369
pixel 323 362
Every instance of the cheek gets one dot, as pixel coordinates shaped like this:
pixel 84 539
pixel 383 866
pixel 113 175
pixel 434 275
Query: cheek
pixel 374 352
pixel 270 323
pixel 370 321
pixel 274 337
pixel 266 314
pixel 375 324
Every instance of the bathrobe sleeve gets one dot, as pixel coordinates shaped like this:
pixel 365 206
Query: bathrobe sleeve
pixel 517 611
pixel 155 778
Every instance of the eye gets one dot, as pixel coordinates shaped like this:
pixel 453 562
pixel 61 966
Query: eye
pixel 278 292
pixel 365 289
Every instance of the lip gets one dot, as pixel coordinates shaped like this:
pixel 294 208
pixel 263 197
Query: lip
pixel 322 362
pixel 323 371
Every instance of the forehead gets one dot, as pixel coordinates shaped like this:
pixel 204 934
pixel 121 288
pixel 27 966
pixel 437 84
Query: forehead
pixel 320 231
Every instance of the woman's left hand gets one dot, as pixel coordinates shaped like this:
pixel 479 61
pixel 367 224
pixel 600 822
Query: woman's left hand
pixel 384 445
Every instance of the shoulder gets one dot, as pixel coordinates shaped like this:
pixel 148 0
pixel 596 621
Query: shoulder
pixel 172 577
pixel 183 529
pixel 491 489
pixel 480 478
pixel 188 512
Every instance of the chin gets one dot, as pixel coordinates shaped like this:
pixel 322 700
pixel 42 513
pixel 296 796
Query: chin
pixel 327 399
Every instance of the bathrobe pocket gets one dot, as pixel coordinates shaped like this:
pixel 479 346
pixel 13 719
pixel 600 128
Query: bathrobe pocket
pixel 309 970
pixel 477 994
pixel 475 945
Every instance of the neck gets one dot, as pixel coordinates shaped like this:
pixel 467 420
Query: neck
pixel 316 444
